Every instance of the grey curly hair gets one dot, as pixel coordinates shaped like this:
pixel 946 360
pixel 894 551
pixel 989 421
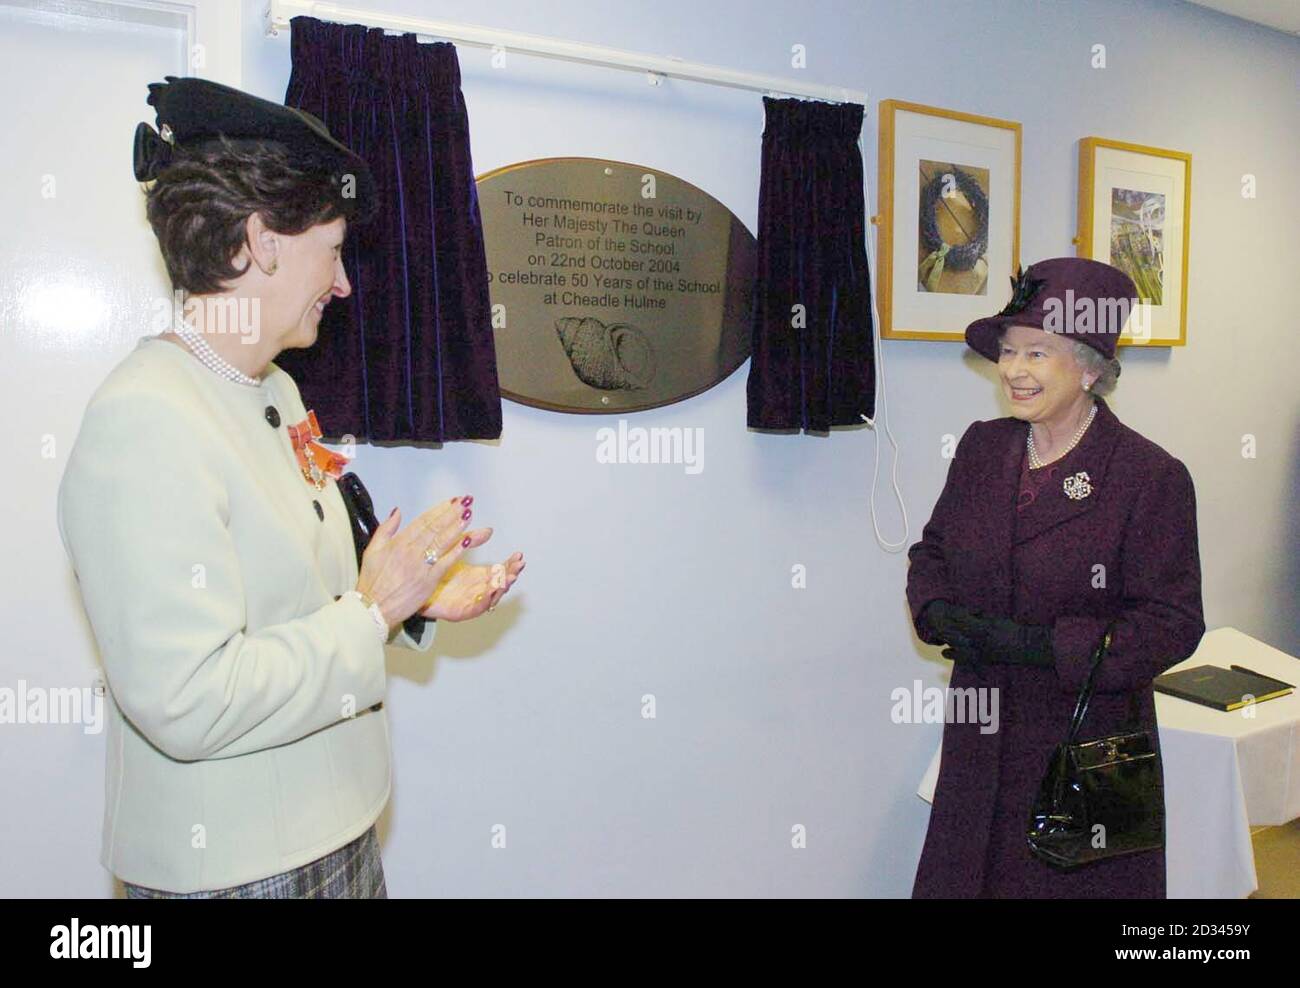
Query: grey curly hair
pixel 1106 368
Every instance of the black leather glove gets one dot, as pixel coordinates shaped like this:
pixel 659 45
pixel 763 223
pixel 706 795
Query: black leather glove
pixel 995 639
pixel 953 625
pixel 1008 642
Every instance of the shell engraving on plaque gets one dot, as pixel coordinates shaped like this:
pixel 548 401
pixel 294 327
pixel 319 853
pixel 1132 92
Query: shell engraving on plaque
pixel 617 357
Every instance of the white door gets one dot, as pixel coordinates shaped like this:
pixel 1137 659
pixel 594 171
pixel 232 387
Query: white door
pixel 80 279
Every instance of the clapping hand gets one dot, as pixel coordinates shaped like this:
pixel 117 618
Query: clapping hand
pixel 419 570
pixel 469 590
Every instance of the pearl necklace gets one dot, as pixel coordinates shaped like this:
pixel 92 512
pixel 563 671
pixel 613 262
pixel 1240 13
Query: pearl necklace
pixel 1035 462
pixel 212 360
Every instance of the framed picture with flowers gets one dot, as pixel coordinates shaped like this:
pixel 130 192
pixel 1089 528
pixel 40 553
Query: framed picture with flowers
pixel 948 230
pixel 1134 212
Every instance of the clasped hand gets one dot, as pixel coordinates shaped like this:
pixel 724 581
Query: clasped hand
pixel 977 638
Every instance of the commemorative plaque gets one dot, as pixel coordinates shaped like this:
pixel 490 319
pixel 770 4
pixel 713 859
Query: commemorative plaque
pixel 614 287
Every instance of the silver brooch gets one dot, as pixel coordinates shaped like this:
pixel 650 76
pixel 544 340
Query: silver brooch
pixel 1077 487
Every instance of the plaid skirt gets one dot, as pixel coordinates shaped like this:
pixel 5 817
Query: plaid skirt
pixel 354 871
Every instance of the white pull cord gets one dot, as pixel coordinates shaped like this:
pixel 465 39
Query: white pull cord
pixel 882 411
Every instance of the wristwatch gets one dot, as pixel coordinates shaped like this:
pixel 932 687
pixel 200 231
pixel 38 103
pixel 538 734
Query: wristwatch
pixel 381 624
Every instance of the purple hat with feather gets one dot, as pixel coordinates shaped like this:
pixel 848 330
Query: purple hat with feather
pixel 1077 297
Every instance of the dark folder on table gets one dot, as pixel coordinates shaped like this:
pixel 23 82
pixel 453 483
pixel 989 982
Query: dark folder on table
pixel 1223 689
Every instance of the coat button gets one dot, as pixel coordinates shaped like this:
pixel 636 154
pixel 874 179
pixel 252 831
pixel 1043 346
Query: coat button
pixel 320 512
pixel 273 416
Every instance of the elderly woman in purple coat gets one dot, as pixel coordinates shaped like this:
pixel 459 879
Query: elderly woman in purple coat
pixel 1054 522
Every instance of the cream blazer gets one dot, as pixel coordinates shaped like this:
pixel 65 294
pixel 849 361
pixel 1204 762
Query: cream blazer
pixel 245 731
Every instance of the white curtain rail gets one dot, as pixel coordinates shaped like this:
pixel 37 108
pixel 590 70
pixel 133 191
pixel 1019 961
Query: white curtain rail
pixel 280 12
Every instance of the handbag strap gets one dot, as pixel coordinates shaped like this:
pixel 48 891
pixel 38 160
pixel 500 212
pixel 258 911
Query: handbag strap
pixel 1089 686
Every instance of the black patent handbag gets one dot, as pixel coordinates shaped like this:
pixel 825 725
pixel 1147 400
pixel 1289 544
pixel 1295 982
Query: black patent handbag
pixel 1099 799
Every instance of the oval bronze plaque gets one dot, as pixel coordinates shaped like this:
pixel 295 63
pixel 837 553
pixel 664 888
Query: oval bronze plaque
pixel 614 287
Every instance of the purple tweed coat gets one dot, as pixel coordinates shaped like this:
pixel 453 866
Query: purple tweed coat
pixel 1127 550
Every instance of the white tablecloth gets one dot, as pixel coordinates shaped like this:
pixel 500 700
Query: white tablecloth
pixel 1224 772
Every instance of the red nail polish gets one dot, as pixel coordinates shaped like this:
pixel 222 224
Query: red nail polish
pixel 469 499
pixel 465 541
pixel 466 513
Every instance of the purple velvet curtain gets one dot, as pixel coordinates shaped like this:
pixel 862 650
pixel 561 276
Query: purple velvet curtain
pixel 410 355
pixel 812 370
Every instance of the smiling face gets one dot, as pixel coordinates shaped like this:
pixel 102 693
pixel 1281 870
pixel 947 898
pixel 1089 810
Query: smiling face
pixel 309 273
pixel 1040 375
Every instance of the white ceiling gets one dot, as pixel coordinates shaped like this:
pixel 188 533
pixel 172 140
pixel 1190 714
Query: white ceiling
pixel 1282 15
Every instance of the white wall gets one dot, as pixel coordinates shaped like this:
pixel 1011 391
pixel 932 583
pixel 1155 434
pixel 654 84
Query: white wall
pixel 773 703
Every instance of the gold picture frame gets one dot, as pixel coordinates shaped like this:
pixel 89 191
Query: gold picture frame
pixel 1135 203
pixel 977 160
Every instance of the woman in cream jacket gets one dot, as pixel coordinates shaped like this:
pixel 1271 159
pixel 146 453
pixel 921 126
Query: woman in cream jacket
pixel 248 750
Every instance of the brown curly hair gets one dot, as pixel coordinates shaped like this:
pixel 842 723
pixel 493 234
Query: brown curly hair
pixel 200 202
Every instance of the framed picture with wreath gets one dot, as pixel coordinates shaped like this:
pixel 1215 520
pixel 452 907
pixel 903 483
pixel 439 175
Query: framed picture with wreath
pixel 948 231
pixel 1135 206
